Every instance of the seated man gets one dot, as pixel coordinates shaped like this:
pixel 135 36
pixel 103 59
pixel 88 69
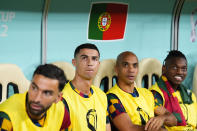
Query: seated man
pixel 87 103
pixel 175 97
pixel 132 108
pixel 34 110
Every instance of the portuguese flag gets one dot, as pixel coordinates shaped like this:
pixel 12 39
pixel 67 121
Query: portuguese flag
pixel 107 21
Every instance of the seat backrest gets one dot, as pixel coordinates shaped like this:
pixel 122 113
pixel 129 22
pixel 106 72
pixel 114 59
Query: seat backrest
pixel 195 81
pixel 11 74
pixel 106 70
pixel 68 69
pixel 148 68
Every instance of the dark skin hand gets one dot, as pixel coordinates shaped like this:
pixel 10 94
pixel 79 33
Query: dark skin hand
pixel 155 123
pixel 163 117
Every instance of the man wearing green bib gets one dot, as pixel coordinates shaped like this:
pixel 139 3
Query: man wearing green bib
pixel 169 92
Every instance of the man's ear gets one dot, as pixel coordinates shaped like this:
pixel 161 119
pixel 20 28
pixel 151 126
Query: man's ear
pixel 74 62
pixel 59 98
pixel 163 69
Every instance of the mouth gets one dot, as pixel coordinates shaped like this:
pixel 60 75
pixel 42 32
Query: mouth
pixel 178 78
pixel 90 70
pixel 131 77
pixel 36 107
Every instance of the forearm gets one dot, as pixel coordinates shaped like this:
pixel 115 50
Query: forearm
pixel 123 123
pixel 137 128
pixel 132 128
pixel 170 119
pixel 108 127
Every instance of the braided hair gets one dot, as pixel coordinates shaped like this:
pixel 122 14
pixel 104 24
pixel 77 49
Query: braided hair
pixel 174 54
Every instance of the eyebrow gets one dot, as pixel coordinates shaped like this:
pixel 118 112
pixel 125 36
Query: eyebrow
pixel 83 55
pixel 130 63
pixel 95 56
pixel 90 56
pixel 135 63
pixel 33 83
pixel 51 91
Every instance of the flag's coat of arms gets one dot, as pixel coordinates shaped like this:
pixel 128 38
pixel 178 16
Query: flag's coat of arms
pixel 104 21
pixel 107 21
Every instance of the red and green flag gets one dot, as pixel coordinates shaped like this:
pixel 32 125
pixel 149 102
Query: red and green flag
pixel 107 21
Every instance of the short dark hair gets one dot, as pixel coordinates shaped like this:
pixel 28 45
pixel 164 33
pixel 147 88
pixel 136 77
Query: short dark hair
pixel 86 45
pixel 53 72
pixel 174 54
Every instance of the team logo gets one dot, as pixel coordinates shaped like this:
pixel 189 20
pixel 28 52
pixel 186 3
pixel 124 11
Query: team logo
pixel 91 118
pixel 104 21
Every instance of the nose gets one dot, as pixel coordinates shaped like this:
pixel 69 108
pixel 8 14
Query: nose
pixel 90 62
pixel 131 68
pixel 38 97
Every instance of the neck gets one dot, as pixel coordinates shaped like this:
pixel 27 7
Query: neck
pixel 174 86
pixel 82 85
pixel 129 88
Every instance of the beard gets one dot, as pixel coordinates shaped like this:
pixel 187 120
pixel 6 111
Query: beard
pixel 36 112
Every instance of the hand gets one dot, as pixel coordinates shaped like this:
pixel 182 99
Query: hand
pixel 155 123
pixel 160 110
pixel 170 119
pixel 163 129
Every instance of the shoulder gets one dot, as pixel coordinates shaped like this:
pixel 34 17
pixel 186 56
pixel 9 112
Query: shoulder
pixel 112 99
pixel 5 124
pixel 157 94
pixel 111 96
pixel 113 89
pixel 67 91
pixel 115 106
pixel 4 115
pixel 99 95
pixel 14 102
pixel 154 87
pixel 156 90
pixel 145 94
pixel 144 91
pixel 98 90
pixel 67 85
pixel 14 97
